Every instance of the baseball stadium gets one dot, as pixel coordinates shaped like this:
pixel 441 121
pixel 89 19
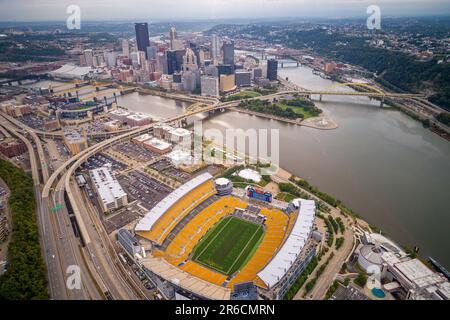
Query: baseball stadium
pixel 207 239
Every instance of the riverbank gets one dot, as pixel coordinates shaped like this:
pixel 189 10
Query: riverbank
pixel 321 122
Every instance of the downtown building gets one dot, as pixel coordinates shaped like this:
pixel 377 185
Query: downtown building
pixel 228 53
pixel 215 47
pixel 210 86
pixel 227 83
pixel 142 36
pixel 243 78
pixel 272 69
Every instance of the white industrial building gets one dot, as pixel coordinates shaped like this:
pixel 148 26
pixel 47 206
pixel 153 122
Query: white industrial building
pixel 69 71
pixel 138 119
pixel 409 278
pixel 180 135
pixel 415 278
pixel 110 193
pixel 119 114
pixel 180 157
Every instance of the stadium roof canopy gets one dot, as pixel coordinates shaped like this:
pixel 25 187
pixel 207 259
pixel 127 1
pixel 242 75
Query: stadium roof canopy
pixel 286 256
pixel 69 71
pixel 158 211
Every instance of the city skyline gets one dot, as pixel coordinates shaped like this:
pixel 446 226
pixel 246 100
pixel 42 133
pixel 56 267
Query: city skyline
pixel 183 152
pixel 25 10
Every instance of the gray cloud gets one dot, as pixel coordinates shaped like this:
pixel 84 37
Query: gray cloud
pixel 18 10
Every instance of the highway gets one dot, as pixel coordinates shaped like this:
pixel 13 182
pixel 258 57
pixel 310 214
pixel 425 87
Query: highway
pixel 59 245
pixel 101 269
pixel 56 281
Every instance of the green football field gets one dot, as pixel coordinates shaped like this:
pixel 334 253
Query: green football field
pixel 228 245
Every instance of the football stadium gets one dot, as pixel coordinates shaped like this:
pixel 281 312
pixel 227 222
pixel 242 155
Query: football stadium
pixel 210 244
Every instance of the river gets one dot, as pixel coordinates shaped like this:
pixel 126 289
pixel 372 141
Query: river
pixel 382 164
pixel 379 162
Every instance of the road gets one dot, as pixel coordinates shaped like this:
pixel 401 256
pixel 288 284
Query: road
pixel 101 259
pixel 56 281
pixel 334 266
pixel 60 248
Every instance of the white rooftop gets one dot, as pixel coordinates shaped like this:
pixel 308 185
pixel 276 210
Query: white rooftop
pixel 143 137
pixel 418 273
pixel 181 132
pixel 138 116
pixel 70 70
pixel 250 174
pixel 157 143
pixel 120 112
pixel 222 181
pixel 292 247
pixel 107 185
pixel 147 222
pixel 180 157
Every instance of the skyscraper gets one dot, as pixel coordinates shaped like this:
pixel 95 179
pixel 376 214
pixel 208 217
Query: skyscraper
pixel 125 48
pixel 189 61
pixel 215 47
pixel 210 86
pixel 174 60
pixel 172 37
pixel 228 53
pixel 272 69
pixel 142 37
pixel 152 52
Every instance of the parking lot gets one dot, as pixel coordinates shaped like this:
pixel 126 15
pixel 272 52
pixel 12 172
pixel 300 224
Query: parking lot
pixel 135 152
pixel 139 186
pixel 123 217
pixel 161 165
pixel 100 159
pixel 33 121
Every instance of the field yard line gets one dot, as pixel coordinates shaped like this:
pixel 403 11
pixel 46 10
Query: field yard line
pixel 257 229
pixel 212 240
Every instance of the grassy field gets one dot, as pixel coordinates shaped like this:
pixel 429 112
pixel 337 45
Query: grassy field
pixel 299 110
pixel 284 196
pixel 228 245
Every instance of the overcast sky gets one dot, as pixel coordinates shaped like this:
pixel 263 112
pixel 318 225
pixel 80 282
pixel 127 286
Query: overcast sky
pixel 42 10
